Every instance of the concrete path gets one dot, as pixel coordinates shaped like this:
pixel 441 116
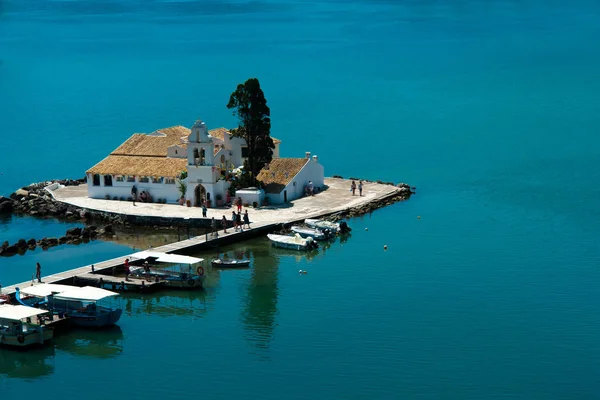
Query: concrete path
pixel 336 197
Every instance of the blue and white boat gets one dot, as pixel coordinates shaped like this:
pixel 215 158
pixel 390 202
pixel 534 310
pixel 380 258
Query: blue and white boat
pixel 314 233
pixel 176 271
pixel 84 306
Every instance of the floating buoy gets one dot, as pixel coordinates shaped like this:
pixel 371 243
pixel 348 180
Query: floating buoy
pixel 304 272
pixel 419 217
pixel 385 246
pixel 366 229
pixel 300 271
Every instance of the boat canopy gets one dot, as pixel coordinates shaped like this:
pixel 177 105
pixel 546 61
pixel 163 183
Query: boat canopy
pixel 44 290
pixel 17 313
pixel 167 258
pixel 86 293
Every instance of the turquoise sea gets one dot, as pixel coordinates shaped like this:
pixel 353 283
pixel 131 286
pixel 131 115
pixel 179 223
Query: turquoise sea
pixel 489 108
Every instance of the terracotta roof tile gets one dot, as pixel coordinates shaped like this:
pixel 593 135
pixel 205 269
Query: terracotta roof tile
pixel 152 145
pixel 281 172
pixel 140 166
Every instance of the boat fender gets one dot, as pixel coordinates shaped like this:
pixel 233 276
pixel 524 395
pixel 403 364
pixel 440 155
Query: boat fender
pixel 21 338
pixel 191 282
pixel 200 271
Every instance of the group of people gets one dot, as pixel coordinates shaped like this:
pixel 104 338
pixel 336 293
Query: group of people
pixel 353 187
pixel 309 190
pixel 144 196
pixel 238 220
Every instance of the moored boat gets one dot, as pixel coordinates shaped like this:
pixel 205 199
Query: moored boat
pixel 84 306
pixel 221 263
pixel 17 328
pixel 341 227
pixel 295 242
pixel 182 272
pixel 314 233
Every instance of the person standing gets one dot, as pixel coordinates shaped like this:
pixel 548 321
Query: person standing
pixel 38 272
pixel 360 185
pixel 204 210
pixel 238 221
pixel 234 220
pixel 239 205
pixel 134 194
pixel 224 221
pixel 127 270
pixel 353 187
pixel 246 219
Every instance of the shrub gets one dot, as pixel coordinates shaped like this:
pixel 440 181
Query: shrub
pixel 115 198
pixel 219 197
pixel 255 204
pixel 122 198
pixel 129 198
pixel 107 197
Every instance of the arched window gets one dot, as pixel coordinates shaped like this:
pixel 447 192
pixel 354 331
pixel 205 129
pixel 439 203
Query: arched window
pixel 202 156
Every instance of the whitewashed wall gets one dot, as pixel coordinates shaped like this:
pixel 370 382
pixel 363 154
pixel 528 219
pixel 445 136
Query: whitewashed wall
pixel 312 171
pixel 170 192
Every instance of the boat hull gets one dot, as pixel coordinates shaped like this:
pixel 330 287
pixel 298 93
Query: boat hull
pixel 96 321
pixel 29 338
pixel 313 233
pixel 228 264
pixel 291 246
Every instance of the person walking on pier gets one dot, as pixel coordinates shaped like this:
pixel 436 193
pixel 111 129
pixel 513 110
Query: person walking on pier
pixel 38 272
pixel 224 221
pixel 246 219
pixel 127 270
pixel 353 187
pixel 360 188
pixel 204 210
pixel 238 221
pixel 134 194
pixel 234 220
pixel 239 205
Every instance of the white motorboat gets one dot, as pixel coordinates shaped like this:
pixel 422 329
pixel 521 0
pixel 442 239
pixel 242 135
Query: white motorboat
pixel 222 263
pixel 295 242
pixel 17 328
pixel 182 272
pixel 322 224
pixel 314 233
pixel 84 306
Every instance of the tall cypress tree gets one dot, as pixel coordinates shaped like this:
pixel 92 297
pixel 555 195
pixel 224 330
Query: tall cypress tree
pixel 249 104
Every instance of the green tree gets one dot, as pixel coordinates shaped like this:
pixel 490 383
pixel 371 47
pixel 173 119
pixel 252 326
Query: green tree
pixel 254 124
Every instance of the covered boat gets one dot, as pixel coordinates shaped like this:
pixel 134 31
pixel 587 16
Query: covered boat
pixel 221 263
pixel 295 242
pixel 179 271
pixel 17 328
pixel 84 306
pixel 314 233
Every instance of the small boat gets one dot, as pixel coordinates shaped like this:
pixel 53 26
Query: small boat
pixel 341 227
pixel 314 233
pixel 295 242
pixel 83 305
pixel 221 263
pixel 181 272
pixel 16 328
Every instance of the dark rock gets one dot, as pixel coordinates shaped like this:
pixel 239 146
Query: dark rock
pixel 5 244
pixel 22 244
pixel 10 251
pixel 63 239
pixel 6 207
pixel 31 242
pixel 73 232
pixel 76 240
pixel 52 241
pixel 108 230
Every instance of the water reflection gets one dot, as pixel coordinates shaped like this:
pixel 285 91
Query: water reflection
pixel 30 364
pixel 167 303
pixel 102 343
pixel 258 316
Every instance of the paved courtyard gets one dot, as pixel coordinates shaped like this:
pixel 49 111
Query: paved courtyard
pixel 336 197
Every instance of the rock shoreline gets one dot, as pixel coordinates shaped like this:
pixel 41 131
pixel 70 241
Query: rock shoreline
pixel 72 236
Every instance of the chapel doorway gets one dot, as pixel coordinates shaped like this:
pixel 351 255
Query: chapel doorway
pixel 199 195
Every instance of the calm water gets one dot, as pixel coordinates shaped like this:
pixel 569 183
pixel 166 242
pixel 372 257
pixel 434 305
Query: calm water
pixel 491 110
